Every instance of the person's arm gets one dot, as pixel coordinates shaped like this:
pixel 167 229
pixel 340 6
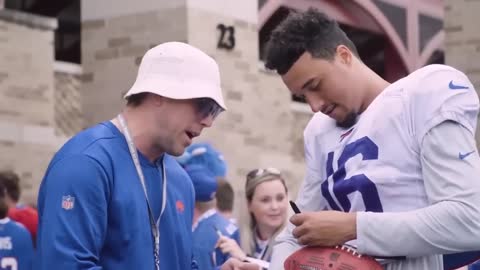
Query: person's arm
pixel 73 213
pixel 309 199
pixel 236 236
pixel 451 172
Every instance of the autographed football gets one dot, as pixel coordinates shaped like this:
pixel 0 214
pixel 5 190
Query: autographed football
pixel 330 258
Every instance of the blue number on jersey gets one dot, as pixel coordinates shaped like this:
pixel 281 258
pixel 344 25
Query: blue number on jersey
pixel 343 187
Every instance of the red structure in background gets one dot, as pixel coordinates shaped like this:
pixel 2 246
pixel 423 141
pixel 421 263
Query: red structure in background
pixel 394 37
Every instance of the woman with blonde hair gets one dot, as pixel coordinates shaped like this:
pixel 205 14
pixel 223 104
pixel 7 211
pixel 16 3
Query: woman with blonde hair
pixel 267 203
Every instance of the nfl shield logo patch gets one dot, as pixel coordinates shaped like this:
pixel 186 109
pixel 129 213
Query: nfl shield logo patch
pixel 68 202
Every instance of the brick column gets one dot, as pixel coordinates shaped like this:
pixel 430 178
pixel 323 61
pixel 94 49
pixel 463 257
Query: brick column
pixel 27 138
pixel 115 34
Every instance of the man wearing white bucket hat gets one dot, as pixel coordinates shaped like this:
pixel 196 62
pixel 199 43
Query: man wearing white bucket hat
pixel 113 197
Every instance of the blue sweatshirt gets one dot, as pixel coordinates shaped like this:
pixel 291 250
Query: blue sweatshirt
pixel 205 236
pixel 16 248
pixel 93 212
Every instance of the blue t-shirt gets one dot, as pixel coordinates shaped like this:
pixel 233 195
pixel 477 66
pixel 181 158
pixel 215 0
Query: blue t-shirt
pixel 16 247
pixel 205 237
pixel 93 212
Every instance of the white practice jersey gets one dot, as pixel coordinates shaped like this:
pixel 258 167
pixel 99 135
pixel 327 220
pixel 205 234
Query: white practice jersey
pixel 376 166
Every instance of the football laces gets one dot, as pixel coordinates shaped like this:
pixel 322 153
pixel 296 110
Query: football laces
pixel 349 249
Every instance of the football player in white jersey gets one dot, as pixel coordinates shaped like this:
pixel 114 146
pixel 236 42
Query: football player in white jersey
pixel 392 169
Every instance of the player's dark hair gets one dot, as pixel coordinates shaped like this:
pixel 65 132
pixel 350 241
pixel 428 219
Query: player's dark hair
pixel 11 182
pixel 3 203
pixel 225 195
pixel 136 100
pixel 311 31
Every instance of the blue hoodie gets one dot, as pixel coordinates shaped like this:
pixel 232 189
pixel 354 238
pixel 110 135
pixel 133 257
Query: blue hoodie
pixel 93 212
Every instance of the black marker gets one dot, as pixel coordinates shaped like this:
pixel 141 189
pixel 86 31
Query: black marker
pixel 295 207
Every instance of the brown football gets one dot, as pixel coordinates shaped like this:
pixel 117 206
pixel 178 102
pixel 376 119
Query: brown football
pixel 330 258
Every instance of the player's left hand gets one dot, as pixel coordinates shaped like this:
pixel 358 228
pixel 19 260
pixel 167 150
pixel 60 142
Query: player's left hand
pixel 235 264
pixel 324 228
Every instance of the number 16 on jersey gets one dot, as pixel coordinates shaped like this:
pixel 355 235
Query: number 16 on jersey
pixel 336 191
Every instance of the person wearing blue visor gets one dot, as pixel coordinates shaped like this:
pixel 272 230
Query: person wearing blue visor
pixel 208 224
pixel 206 155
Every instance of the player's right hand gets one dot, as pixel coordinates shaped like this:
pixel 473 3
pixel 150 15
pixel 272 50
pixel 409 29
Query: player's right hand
pixel 230 246
pixel 324 228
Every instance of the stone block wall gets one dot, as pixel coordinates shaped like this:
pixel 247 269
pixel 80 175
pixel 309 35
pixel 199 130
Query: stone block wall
pixel 26 70
pixel 27 137
pixel 112 48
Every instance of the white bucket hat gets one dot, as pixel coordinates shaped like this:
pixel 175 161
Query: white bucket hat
pixel 178 70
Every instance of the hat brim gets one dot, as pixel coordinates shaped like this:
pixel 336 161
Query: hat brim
pixel 178 89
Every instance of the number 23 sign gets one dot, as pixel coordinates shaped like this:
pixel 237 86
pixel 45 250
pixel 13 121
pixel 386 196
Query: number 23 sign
pixel 226 40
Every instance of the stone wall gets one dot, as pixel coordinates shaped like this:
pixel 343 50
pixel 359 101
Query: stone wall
pixel 111 52
pixel 27 139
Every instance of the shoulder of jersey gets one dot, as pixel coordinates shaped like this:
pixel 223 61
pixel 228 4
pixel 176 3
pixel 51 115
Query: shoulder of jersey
pixel 18 224
pixel 231 228
pixel 224 224
pixel 413 82
pixel 318 124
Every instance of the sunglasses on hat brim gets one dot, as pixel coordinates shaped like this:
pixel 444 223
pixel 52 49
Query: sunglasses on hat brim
pixel 208 107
